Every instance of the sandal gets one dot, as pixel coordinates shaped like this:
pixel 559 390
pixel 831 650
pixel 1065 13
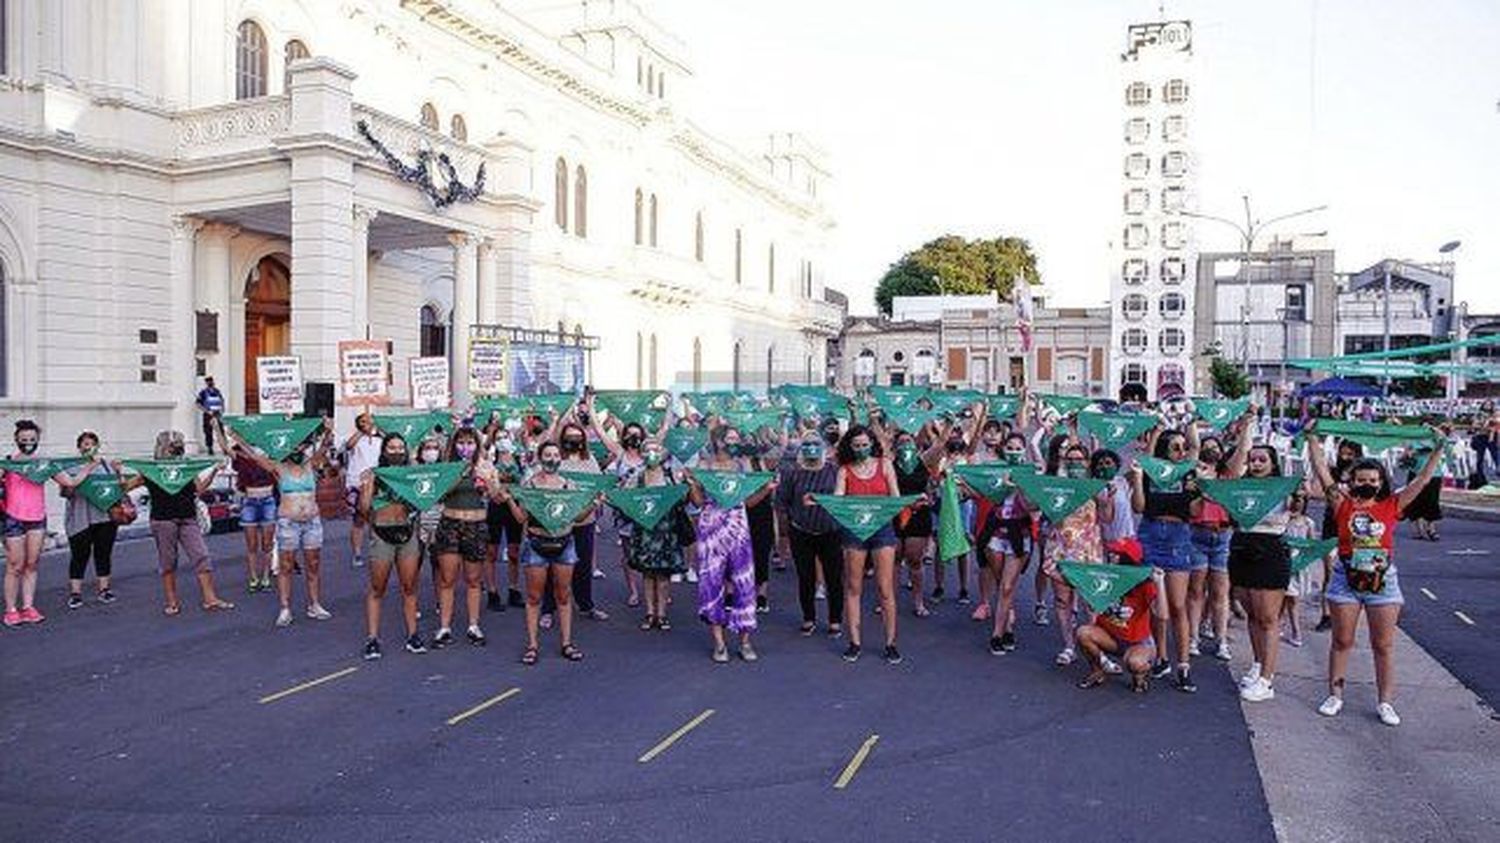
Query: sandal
pixel 1093 680
pixel 633 601
pixel 663 624
pixel 572 653
pixel 807 628
pixel 218 606
pixel 171 609
pixel 648 624
pixel 528 656
pixel 1139 683
pixel 921 611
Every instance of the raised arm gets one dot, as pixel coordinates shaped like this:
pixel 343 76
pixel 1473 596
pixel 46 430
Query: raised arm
pixel 598 427
pixel 1319 466
pixel 1410 491
pixel 1137 489
pixel 1236 464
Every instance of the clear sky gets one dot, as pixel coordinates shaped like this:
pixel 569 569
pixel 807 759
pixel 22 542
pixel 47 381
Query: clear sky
pixel 984 117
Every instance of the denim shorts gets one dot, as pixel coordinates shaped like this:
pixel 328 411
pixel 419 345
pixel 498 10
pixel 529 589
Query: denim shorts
pixel 292 536
pixel 884 537
pixel 1168 545
pixel 1340 592
pixel 16 528
pixel 1210 548
pixel 255 511
pixel 530 558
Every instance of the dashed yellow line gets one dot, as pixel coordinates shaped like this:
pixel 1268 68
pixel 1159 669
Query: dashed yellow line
pixel 675 736
pixel 1428 594
pixel 338 674
pixel 1463 617
pixel 487 704
pixel 855 763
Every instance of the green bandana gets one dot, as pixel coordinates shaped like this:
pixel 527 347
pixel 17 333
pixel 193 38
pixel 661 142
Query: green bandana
pixel 415 427
pixel 813 401
pixel 420 486
pixel 1304 552
pixel 890 398
pixel 684 443
pixel 752 421
pixel 907 459
pixel 863 515
pixel 729 489
pixel 991 479
pixel 1218 413
pixel 41 469
pixel 590 482
pixel 955 401
pixel 100 489
pixel 275 436
pixel 1102 586
pixel 508 408
pixel 1374 437
pixel 1114 431
pixel 1251 499
pixel 1164 474
pixel 646 505
pixel 910 419
pixel 546 405
pixel 1003 406
pixel 1056 497
pixel 628 405
pixel 171 475
pixel 1064 404
pixel 554 510
pixel 713 403
pixel 952 538
pixel 600 451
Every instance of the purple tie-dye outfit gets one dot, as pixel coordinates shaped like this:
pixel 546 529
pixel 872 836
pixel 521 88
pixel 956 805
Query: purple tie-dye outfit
pixel 724 558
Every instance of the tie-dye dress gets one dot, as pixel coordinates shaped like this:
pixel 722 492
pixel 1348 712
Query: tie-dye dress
pixel 726 568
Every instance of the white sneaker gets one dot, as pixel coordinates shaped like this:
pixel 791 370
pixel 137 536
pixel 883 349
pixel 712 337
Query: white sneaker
pixel 1258 691
pixel 1251 676
pixel 692 576
pixel 1222 652
pixel 318 613
pixel 1387 714
pixel 1193 648
pixel 598 574
pixel 1111 666
pixel 821 593
pixel 1065 658
pixel 1333 705
pixel 284 617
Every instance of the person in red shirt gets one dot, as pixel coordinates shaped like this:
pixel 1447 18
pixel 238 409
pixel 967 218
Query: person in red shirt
pixel 1122 628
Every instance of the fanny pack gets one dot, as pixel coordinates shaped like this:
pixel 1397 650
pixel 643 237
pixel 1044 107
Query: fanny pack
pixel 394 534
pixel 1365 569
pixel 549 547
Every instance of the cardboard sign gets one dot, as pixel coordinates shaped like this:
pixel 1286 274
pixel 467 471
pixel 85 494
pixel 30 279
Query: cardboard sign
pixel 429 383
pixel 279 382
pixel 364 372
pixel 489 366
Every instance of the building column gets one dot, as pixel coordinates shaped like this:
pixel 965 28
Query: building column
pixel 489 273
pixel 360 311
pixel 465 310
pixel 211 293
pixel 182 367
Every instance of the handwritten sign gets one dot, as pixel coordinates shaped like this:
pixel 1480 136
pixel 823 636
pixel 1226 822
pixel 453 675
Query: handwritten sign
pixel 429 383
pixel 364 372
pixel 279 382
pixel 489 366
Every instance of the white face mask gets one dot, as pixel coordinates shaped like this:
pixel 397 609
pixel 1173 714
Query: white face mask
pixel 429 455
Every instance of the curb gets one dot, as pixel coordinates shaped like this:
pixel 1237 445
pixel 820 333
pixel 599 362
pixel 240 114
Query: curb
pixel 1470 513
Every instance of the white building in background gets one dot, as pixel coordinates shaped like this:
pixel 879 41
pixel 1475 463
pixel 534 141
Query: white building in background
pixel 1152 283
pixel 187 185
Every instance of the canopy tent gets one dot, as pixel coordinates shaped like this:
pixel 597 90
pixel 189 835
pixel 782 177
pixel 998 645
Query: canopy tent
pixel 1337 388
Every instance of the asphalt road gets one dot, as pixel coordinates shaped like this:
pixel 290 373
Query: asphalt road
pixel 117 722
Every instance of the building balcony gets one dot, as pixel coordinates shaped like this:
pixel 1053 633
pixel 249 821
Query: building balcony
pixel 231 128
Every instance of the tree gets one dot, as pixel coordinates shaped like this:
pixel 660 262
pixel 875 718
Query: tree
pixel 966 267
pixel 1228 380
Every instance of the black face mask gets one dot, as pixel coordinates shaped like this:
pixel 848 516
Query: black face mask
pixel 631 440
pixel 1363 491
pixel 394 459
pixel 572 444
pixel 955 446
pixel 831 436
pixel 27 447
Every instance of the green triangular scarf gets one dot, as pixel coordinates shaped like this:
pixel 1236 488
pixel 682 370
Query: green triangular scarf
pixel 1114 430
pixel 546 405
pixel 414 427
pixel 952 538
pixel 41 469
pixel 955 401
pixel 420 486
pixel 646 505
pixel 100 489
pixel 508 408
pixel 1056 497
pixel 554 510
pixel 1102 586
pixel 1002 406
pixel 813 401
pixel 992 479
pixel 1164 474
pixel 1304 552
pixel 1220 412
pixel 910 419
pixel 863 515
pixel 1373 436
pixel 1251 499
pixel 713 403
pixel 729 489
pixel 171 475
pixel 752 421
pixel 628 405
pixel 275 436
pixel 1065 404
pixel 592 482
pixel 600 450
pixel 684 443
pixel 890 398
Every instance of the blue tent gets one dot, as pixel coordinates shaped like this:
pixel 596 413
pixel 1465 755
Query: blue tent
pixel 1337 388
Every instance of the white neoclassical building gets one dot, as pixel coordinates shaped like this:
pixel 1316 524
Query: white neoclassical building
pixel 187 185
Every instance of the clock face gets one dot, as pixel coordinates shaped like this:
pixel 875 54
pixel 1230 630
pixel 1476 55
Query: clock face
pixel 1177 35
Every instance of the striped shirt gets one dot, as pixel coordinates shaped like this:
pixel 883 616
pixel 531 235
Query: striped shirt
pixel 796 482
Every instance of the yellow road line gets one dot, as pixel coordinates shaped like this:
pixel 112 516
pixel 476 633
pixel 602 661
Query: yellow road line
pixel 1463 617
pixel 676 736
pixel 1429 595
pixel 338 674
pixel 492 701
pixel 855 763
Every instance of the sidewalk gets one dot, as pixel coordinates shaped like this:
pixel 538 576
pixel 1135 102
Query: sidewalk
pixel 1478 505
pixel 1350 777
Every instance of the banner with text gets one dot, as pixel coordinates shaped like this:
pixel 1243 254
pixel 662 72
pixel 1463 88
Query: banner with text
pixel 364 372
pixel 279 384
pixel 429 383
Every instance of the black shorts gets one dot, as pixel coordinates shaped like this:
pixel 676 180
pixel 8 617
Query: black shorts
pixel 465 538
pixel 501 525
pixel 916 525
pixel 1259 560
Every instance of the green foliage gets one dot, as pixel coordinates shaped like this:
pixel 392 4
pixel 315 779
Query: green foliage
pixel 1228 380
pixel 966 267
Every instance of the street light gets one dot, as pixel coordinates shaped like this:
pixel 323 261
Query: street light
pixel 1251 229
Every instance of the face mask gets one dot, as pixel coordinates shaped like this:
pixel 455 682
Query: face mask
pixel 90 452
pixel 393 458
pixel 1106 472
pixel 955 446
pixel 733 449
pixel 653 459
pixel 464 450
pixel 1015 457
pixel 831 436
pixel 430 455
pixel 27 447
pixel 1210 456
pixel 862 453
pixel 1364 491
pixel 174 450
pixel 572 444
pixel 906 457
pixel 551 466
pixel 631 440
pixel 296 457
pixel 811 451
pixel 1076 470
pixel 505 446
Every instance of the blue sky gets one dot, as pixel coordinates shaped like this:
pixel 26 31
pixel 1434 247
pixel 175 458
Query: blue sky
pixel 984 117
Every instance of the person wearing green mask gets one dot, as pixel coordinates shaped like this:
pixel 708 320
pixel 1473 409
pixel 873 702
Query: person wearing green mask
pixel 1076 538
pixel 726 565
pixel 864 470
pixel 656 554
pixel 578 460
pixel 813 535
pixel 1010 543
pixel 913 524
pixel 91 530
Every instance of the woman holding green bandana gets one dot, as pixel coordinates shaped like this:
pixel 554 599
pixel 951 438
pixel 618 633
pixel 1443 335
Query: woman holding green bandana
pixel 814 536
pixel 394 543
pixel 656 553
pixel 914 524
pixel 864 470
pixel 91 529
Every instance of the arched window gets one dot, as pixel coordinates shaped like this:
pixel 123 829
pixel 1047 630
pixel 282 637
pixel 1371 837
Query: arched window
pixel 697 364
pixel 653 219
pixel 653 361
pixel 457 128
pixel 640 201
pixel 434 332
pixel 293 51
pixel 739 256
pixel 581 202
pixel 698 237
pixel 429 117
pixel 771 268
pixel 250 61
pixel 560 195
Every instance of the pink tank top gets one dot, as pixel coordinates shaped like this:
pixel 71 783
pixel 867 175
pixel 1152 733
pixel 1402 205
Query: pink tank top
pixel 24 500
